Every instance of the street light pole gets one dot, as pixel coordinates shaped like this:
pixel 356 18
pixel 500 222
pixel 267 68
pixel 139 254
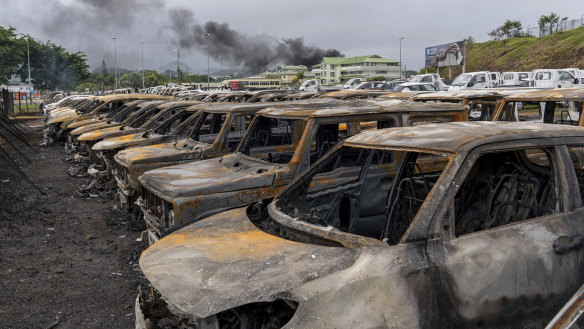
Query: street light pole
pixel 221 61
pixel 208 35
pixel 142 44
pixel 177 66
pixel 28 56
pixel 115 65
pixel 400 60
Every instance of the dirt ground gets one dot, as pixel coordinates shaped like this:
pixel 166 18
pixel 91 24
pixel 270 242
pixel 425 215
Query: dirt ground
pixel 66 261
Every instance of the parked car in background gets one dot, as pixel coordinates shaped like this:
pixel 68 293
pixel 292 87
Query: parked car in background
pixel 375 85
pixel 475 80
pixel 521 79
pixel 413 86
pixel 352 83
pixel 433 78
pixel 551 78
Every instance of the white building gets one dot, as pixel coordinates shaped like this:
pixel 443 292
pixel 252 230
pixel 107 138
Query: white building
pixel 336 70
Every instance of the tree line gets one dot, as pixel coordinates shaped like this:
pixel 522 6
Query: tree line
pixel 547 24
pixel 52 66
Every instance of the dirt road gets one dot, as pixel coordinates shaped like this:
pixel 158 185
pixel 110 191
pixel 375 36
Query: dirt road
pixel 63 258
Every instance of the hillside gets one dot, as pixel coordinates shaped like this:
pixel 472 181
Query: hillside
pixel 559 50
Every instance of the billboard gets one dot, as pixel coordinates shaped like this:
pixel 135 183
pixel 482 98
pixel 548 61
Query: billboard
pixel 449 54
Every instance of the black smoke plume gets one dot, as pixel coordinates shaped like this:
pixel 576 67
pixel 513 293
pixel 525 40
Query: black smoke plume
pixel 256 53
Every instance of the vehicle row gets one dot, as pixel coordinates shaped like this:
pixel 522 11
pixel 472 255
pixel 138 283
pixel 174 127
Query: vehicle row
pixel 350 209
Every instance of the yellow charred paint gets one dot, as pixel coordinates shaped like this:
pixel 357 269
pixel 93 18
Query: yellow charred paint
pixel 124 138
pixel 224 246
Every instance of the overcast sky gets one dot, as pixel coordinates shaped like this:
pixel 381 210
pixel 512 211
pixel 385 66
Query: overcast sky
pixel 351 27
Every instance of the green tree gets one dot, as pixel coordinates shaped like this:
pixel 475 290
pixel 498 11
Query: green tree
pixel 549 24
pixel 300 76
pixel 509 29
pixel 131 80
pixel 469 40
pixel 12 53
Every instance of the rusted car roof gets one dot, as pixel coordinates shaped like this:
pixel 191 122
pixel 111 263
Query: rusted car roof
pixel 359 107
pixel 560 94
pixel 404 95
pixel 469 94
pixel 132 96
pixel 453 136
pixel 166 105
pixel 228 108
pixel 351 93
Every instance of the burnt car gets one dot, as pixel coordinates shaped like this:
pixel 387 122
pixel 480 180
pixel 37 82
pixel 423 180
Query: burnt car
pixel 150 116
pixel 555 106
pixel 217 132
pixel 165 115
pixel 177 125
pixel 481 103
pixel 452 225
pixel 58 126
pixel 279 144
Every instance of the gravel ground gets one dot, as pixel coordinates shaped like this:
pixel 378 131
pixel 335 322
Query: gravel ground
pixel 66 260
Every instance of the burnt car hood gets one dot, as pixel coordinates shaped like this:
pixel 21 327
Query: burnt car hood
pixel 85 122
pixel 162 152
pixel 93 126
pixel 128 140
pixel 108 133
pixel 225 261
pixel 207 177
pixel 63 117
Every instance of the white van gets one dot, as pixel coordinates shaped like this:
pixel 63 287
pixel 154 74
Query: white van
pixel 552 78
pixel 352 83
pixel 475 80
pixel 310 85
pixel 516 79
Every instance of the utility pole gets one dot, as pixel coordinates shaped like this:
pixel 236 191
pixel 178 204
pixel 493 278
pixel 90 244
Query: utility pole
pixel 29 80
pixel 142 44
pixel 177 66
pixel 400 60
pixel 115 65
pixel 221 61
pixel 208 36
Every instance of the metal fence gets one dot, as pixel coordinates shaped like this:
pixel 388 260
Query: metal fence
pixel 569 24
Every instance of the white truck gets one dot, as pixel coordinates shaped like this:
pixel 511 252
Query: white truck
pixel 475 80
pixel 552 78
pixel 433 78
pixel 352 83
pixel 310 85
pixel 522 79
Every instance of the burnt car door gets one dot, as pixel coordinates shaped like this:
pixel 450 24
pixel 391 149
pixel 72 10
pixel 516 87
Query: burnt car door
pixel 504 246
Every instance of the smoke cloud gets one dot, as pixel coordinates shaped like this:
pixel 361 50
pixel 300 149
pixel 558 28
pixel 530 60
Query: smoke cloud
pixel 256 53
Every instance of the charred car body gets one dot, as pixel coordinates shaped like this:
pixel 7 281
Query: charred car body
pixel 279 144
pixel 556 106
pixel 165 115
pixel 440 226
pixel 58 126
pixel 217 132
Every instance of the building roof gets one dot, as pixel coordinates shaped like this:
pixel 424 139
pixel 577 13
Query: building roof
pixel 356 60
pixel 452 137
